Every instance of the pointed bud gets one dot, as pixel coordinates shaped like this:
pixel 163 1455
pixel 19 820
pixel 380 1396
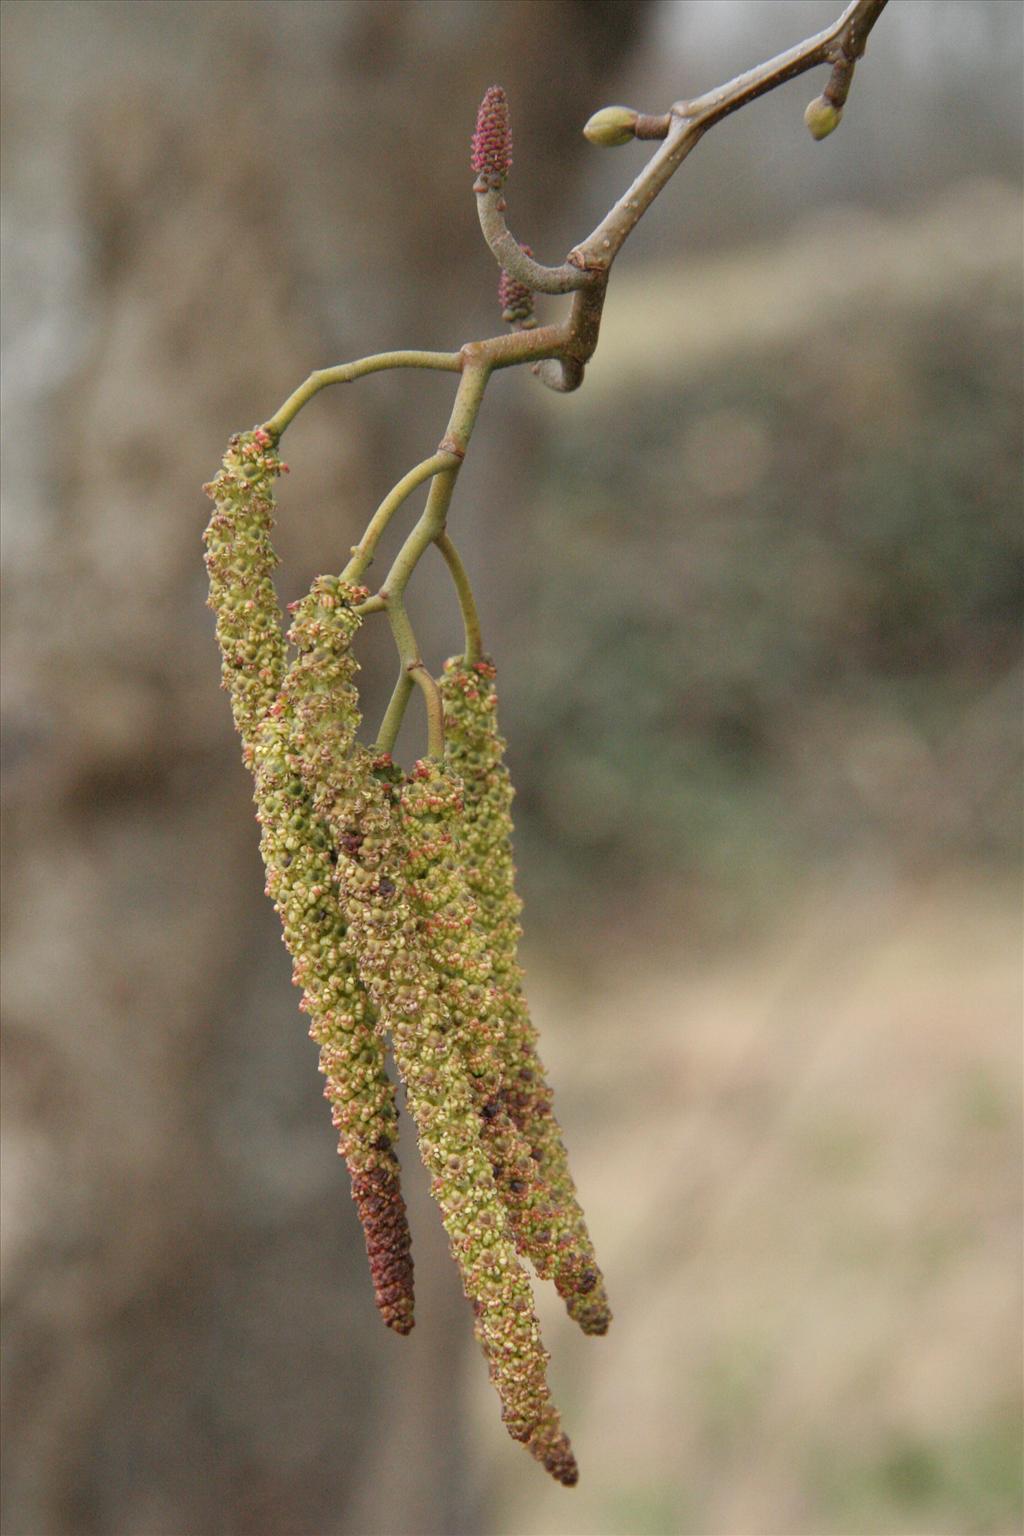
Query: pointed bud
pixel 612 126
pixel 821 117
pixel 492 140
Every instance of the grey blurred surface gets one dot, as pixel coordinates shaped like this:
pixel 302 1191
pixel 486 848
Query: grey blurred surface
pixel 754 595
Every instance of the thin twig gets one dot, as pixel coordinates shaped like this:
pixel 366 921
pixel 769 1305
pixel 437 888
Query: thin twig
pixel 363 552
pixel 473 642
pixel 558 353
pixel 345 373
pixel 845 39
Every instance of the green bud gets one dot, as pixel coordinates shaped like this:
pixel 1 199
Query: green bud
pixel 822 118
pixel 612 126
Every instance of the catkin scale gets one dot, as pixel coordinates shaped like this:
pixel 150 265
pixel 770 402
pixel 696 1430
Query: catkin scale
pixel 297 855
pixel 475 749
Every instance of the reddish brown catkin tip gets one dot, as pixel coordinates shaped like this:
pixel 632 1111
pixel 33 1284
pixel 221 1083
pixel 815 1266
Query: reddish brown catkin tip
pixel 385 1223
pixel 492 141
pixel 516 299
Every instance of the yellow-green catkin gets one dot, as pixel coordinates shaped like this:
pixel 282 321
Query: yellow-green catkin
pixel 389 840
pixel 477 1006
pixel 322 698
pixel 299 863
pixel 240 560
pixel 318 713
pixel 475 749
pixel 463 1184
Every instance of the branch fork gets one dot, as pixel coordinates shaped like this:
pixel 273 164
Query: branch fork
pixel 556 354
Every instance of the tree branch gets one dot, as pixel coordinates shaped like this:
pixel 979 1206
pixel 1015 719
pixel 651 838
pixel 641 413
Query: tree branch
pixel 558 354
pixel 840 45
pixel 509 254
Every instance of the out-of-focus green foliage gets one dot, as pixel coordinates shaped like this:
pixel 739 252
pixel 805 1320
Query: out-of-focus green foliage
pixel 777 613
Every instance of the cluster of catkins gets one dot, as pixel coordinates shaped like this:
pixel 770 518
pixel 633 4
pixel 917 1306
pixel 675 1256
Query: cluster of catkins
pixel 396 897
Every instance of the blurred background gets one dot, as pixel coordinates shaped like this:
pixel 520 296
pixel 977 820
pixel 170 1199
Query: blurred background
pixel 754 597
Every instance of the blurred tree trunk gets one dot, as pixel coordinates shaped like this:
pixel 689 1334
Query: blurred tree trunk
pixel 204 202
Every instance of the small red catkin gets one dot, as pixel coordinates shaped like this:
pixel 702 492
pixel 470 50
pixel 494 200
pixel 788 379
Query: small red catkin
pixel 492 142
pixel 516 299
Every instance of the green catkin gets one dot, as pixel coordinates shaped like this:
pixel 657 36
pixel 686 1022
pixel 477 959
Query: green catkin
pixel 298 860
pixel 322 699
pixel 463 1185
pixel 475 749
pixel 476 1007
pixel 450 920
pixel 389 841
pixel 240 560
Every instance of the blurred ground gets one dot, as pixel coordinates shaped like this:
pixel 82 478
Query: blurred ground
pixel 754 593
pixel 802 1163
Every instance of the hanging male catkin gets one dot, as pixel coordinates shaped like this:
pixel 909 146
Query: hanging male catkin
pixel 322 701
pixel 476 750
pixel 297 855
pixel 240 561
pixel 390 841
pixel 493 1278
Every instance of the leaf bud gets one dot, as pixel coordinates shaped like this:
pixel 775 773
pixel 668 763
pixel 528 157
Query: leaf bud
pixel 612 126
pixel 822 118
